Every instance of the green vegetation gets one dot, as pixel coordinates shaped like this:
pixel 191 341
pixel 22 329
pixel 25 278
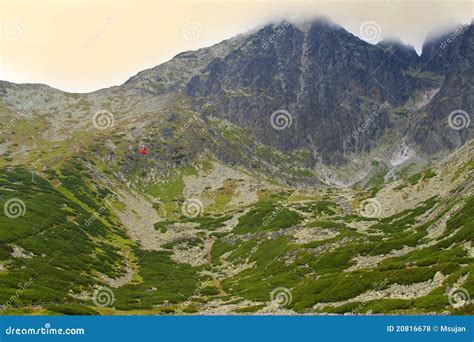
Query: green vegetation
pixel 266 216
pixel 52 230
pixel 250 309
pixel 75 310
pixel 69 240
pixel 164 280
pixel 319 208
pixel 377 177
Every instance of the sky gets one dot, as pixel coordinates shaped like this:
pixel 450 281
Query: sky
pixel 85 45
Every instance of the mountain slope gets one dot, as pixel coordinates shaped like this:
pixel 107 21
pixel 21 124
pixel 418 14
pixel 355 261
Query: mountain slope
pixel 358 199
pixel 456 95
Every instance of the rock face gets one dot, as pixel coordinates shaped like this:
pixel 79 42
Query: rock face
pixel 326 78
pixel 331 92
pixel 329 81
pixel 435 128
pixel 222 214
pixel 441 53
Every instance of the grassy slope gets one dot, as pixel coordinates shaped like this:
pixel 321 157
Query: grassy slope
pixel 65 255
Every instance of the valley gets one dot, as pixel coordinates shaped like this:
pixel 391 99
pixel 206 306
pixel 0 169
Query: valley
pixel 231 212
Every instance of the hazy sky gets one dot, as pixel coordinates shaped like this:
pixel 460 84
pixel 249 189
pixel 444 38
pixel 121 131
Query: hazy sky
pixel 84 45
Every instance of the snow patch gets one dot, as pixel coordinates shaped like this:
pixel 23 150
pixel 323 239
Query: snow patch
pixel 405 153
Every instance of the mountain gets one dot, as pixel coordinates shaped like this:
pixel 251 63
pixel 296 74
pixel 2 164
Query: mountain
pixel 291 169
pixel 450 55
pixel 323 76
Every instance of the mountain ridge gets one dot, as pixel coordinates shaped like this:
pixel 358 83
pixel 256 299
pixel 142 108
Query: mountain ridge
pixel 295 177
pixel 337 85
